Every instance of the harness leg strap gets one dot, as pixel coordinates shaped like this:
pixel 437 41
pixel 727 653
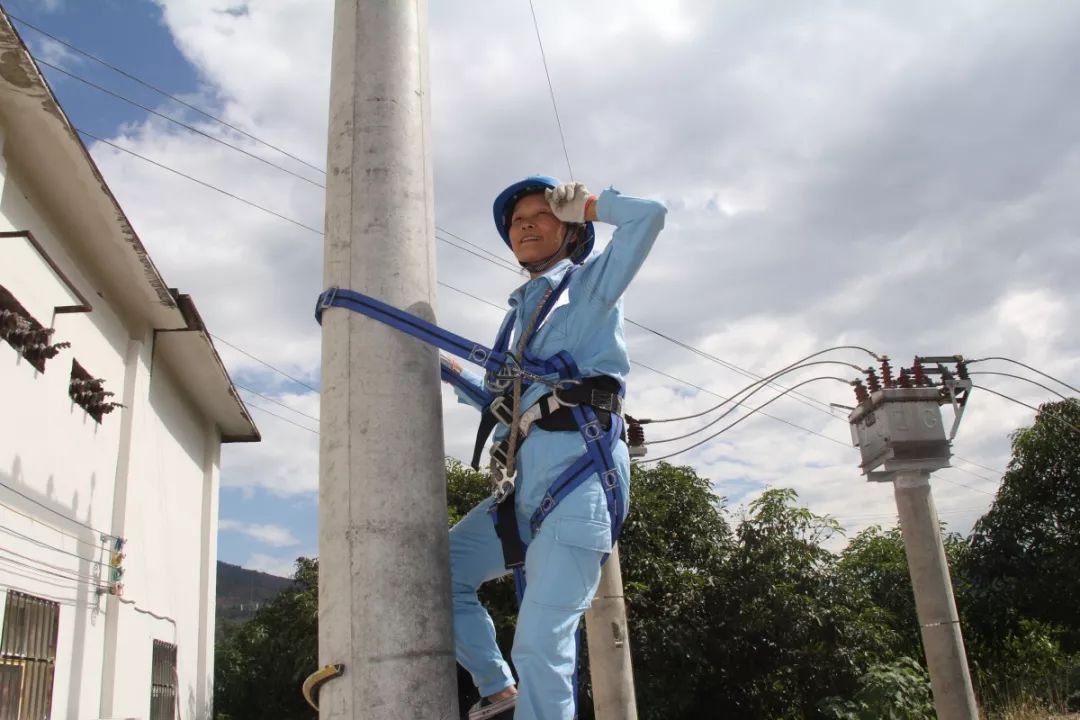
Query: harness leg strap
pixel 506 528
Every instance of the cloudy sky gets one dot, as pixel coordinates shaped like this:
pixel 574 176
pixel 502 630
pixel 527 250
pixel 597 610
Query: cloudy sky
pixel 901 176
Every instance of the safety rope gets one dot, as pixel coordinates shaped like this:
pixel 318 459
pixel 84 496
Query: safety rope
pixel 523 341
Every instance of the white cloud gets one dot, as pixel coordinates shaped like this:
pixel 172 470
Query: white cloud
pixel 900 176
pixel 274 535
pixel 280 566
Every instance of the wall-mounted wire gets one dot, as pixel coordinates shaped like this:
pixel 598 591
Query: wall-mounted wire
pixel 47 546
pixel 57 512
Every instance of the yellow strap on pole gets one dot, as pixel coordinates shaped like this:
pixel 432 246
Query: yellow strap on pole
pixel 317 678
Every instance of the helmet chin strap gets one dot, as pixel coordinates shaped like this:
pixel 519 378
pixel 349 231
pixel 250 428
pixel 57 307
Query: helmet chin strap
pixel 542 265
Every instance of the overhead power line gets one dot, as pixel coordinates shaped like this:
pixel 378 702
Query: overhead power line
pixel 744 417
pixel 262 362
pixel 487 255
pixel 551 90
pixel 276 402
pixel 1020 377
pixel 1024 365
pixel 281 417
pixel 824 407
pixel 205 184
pixel 1010 398
pixel 161 92
pixel 180 123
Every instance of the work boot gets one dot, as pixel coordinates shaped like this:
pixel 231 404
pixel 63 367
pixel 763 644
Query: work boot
pixel 498 710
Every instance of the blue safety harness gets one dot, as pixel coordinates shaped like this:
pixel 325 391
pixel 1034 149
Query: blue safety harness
pixel 500 365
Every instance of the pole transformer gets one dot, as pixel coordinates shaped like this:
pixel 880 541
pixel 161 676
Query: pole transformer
pixel 897 426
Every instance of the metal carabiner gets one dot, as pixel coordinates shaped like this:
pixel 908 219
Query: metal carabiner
pixel 504 485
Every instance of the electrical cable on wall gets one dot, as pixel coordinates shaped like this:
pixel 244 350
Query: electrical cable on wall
pixel 76 538
pixel 57 512
pixel 47 546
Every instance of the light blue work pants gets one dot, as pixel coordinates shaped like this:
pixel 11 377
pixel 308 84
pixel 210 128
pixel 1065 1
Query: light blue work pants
pixel 562 567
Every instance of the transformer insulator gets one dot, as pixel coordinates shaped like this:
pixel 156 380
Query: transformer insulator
pixel 861 393
pixel 9 321
pixel 962 370
pixel 904 380
pixel 919 374
pixel 872 381
pixel 886 373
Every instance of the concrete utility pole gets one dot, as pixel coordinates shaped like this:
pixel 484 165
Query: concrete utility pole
pixel 934 602
pixel 384 579
pixel 898 426
pixel 609 647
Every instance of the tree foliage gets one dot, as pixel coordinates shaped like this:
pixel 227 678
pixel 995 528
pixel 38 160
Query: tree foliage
pixel 1025 551
pixel 755 618
pixel 260 665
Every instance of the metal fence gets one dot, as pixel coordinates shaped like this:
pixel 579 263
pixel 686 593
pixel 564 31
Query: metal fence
pixel 27 657
pixel 162 682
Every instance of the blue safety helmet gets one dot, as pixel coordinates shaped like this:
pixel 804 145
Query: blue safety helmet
pixel 503 210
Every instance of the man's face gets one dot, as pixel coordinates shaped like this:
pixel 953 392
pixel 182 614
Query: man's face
pixel 535 232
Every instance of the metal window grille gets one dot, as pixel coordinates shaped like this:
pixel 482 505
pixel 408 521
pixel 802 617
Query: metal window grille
pixel 162 682
pixel 27 657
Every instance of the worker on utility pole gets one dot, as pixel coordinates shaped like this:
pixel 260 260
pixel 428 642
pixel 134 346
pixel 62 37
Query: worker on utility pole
pixel 562 476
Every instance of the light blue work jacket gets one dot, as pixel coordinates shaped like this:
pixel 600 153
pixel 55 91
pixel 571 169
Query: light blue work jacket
pixel 588 323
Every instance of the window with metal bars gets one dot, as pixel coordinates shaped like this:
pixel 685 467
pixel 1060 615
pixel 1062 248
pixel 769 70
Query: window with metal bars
pixel 27 657
pixel 163 682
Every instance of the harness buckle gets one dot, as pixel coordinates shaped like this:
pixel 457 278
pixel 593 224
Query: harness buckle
pixel 504 484
pixel 479 355
pixel 592 430
pixel 502 410
pixel 498 456
pixel 328 298
pixel 609 479
pixel 608 401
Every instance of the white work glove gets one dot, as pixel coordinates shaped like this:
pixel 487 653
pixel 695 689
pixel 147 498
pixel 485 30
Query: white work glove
pixel 568 201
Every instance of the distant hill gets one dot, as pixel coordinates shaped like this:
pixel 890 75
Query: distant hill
pixel 240 592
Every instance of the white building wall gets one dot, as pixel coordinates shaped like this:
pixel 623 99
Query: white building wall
pixel 52 452
pixel 164 547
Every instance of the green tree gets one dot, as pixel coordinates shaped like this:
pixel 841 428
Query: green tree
pixel 1025 551
pixel 672 550
pixel 899 690
pixel 259 666
pixel 785 633
pixel 873 568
